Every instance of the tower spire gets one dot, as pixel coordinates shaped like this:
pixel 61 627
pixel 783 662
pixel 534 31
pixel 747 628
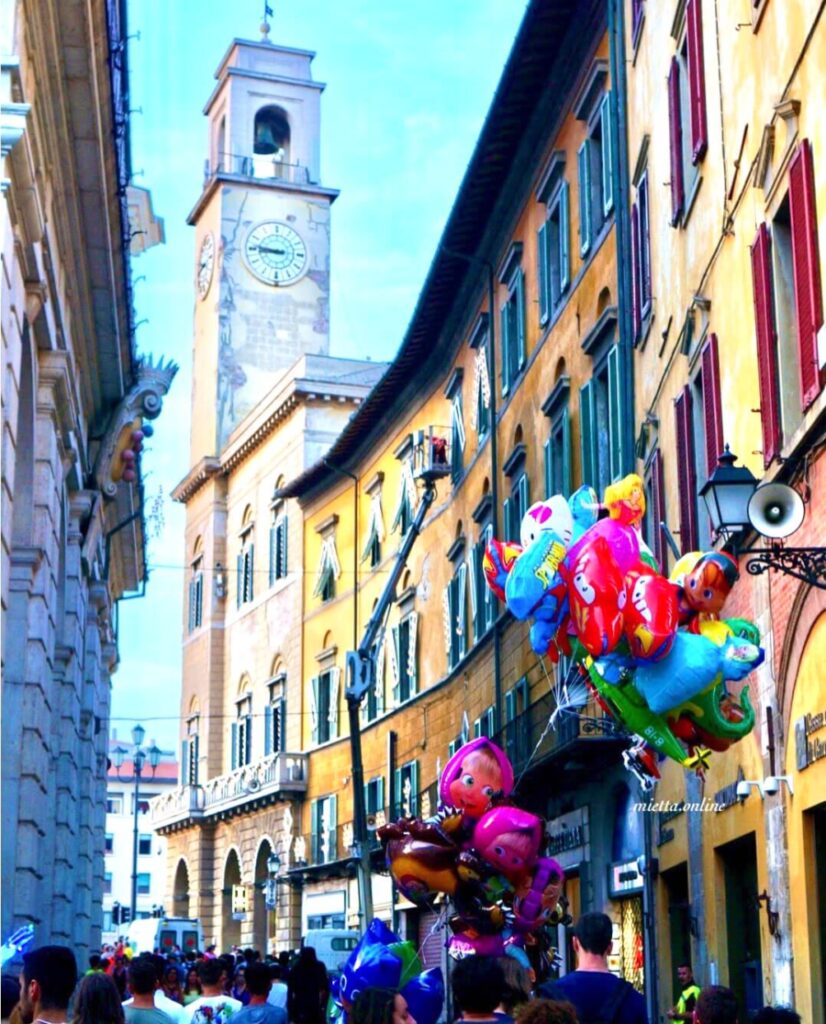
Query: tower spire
pixel 265 24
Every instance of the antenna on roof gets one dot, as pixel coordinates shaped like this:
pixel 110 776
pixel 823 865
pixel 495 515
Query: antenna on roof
pixel 265 24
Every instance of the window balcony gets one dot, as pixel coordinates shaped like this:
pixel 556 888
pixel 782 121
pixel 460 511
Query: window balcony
pixel 251 786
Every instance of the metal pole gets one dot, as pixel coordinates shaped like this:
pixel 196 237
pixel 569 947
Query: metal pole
pixel 137 769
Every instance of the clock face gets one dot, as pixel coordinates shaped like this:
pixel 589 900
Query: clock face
pixel 276 253
pixel 206 263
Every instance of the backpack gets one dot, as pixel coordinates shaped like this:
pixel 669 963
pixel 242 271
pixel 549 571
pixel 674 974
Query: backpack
pixel 607 1014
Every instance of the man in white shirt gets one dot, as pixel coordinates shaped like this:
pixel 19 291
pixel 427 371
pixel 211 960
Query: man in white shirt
pixel 222 1006
pixel 278 992
pixel 161 1000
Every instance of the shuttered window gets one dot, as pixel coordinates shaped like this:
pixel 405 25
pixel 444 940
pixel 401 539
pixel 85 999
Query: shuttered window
pixel 278 547
pixel 766 343
pixel 324 707
pixel 454 606
pixel 558 456
pixel 686 472
pixel 696 80
pixel 806 262
pixel 636 298
pixel 543 272
pixel 196 597
pixel 712 403
pixel 585 205
pixel 512 324
pixel 655 508
pixel 407 790
pixel 675 142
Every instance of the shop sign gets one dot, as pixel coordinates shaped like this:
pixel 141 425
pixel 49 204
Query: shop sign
pixel 727 796
pixel 808 751
pixel 624 879
pixel 567 838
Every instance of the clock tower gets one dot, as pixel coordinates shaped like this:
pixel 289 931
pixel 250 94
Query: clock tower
pixel 262 242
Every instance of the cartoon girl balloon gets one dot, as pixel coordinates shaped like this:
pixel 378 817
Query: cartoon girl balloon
pixel 476 775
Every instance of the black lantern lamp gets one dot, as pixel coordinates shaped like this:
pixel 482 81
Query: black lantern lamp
pixel 736 504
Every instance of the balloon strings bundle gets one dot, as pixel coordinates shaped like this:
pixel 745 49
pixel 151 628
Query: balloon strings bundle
pixel 438 924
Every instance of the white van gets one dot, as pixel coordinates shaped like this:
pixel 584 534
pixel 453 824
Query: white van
pixel 164 933
pixel 332 945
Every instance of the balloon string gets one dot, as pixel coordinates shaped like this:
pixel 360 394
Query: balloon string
pixel 440 923
pixel 545 731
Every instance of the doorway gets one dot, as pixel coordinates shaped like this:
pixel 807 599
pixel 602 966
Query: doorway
pixel 818 820
pixel 679 922
pixel 743 923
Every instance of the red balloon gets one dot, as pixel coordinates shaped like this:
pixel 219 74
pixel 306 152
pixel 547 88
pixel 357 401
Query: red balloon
pixel 596 592
pixel 651 613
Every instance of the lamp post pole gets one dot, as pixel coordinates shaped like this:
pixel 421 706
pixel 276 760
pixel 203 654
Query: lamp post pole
pixel 138 758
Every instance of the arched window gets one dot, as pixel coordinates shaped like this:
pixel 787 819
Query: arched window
pixel 242 726
pixel 245 560
pixel 271 143
pixel 196 587
pixel 278 536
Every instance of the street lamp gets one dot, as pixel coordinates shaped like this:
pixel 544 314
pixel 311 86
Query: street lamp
pixel 138 758
pixel 736 504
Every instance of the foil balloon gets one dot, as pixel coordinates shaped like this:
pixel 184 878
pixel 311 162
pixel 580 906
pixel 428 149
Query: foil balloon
pixel 422 862
pixel 497 562
pixel 411 964
pixel 534 583
pixel 707 585
pixel 584 505
pixel 509 840
pixel 596 592
pixel 372 964
pixel 552 515
pixel 474 776
pixel 538 898
pixel 625 500
pixel 425 996
pixel 651 614
pixel 622 541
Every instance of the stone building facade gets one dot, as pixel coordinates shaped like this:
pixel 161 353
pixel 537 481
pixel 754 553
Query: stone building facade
pixel 73 392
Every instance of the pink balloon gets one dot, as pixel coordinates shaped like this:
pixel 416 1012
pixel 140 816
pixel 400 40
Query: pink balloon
pixel 622 540
pixel 509 839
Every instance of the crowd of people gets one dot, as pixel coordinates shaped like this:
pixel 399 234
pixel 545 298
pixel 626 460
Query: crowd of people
pixel 243 988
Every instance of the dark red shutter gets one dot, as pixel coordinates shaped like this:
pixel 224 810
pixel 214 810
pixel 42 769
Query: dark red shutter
pixel 686 473
pixel 636 298
pixel 766 342
pixel 645 240
pixel 658 508
pixel 677 187
pixel 696 80
pixel 806 258
pixel 712 404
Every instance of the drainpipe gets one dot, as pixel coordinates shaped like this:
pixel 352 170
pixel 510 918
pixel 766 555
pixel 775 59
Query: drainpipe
pixel 494 456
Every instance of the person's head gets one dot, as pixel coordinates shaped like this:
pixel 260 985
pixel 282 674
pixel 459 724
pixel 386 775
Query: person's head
pixel 276 972
pixel 517 988
pixel 478 984
pixel 143 978
pixel 210 973
pixel 307 955
pixel 240 977
pixel 192 979
pixel 380 1006
pixel 251 955
pixel 258 979
pixel 284 958
pixel 10 995
pixel 170 976
pixel 546 1011
pixel 716 1004
pixel 592 935
pixel 777 1015
pixel 97 1001
pixel 685 974
pixel 47 980
pixel 94 962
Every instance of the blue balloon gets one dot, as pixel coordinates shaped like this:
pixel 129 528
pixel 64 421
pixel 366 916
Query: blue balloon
pixel 425 996
pixel 370 965
pixel 584 505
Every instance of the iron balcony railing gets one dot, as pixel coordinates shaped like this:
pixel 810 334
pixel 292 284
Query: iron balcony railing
pixel 277 773
pixel 258 166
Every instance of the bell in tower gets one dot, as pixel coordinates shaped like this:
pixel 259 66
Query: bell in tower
pixel 272 133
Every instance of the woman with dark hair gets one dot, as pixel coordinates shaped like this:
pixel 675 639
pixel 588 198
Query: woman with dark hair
pixel 172 984
pixel 307 989
pixel 192 988
pixel 517 990
pixel 97 1001
pixel 380 1006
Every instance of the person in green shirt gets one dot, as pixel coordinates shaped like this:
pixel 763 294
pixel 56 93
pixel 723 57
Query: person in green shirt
pixel 95 965
pixel 143 980
pixel 684 1010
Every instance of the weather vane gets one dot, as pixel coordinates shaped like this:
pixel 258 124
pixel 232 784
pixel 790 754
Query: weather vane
pixel 265 24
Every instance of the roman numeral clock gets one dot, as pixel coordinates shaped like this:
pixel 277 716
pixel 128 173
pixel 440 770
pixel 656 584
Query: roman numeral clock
pixel 276 253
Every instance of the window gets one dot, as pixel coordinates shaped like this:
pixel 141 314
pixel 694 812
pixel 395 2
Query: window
pixel 640 258
pixel 107 883
pixel 373 705
pixel 189 753
pixel 482 599
pixel 553 245
pixel 655 509
pixel 512 318
pixel 196 592
pixel 788 308
pixel 242 733
pixel 109 843
pixel 485 724
pixel 403 658
pixel 517 726
pixel 455 616
pixel 604 422
pixel 557 452
pixel 457 450
pixel 114 804
pixel 405 507
pixel 375 523
pixel 278 543
pixel 144 881
pixel 275 718
pixel 144 845
pixel 324 708
pixel 329 568
pixel 407 790
pixel 462 738
pixel 594 173
pixel 687 112
pixel 374 797
pixel 516 506
pixel 324 846
pixel 480 406
pixel 698 412
pixel 245 562
pixel 143 805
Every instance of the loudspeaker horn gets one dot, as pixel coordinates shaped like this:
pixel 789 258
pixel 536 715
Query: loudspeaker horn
pixel 372 823
pixel 776 510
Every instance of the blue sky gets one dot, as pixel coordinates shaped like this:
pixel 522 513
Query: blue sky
pixel 408 87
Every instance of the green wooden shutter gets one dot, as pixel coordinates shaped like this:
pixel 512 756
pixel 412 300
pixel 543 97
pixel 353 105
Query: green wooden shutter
pixel 505 348
pixel 183 775
pixel 234 750
pixel 584 174
pixel 412 651
pixel 523 488
pixel 397 793
pixel 395 663
pixel 564 238
pixel 380 794
pixel 618 413
pixel 268 730
pixel 473 557
pixel 335 682
pixel 549 463
pixel 282 545
pixel 461 608
pixel 607 156
pixel 506 519
pixel 314 707
pixel 587 434
pixel 332 825
pixel 542 267
pixel 315 830
pixel 251 577
pixel 414 787
pixel 567 480
pixel 273 554
pixel 520 318
pixel 239 580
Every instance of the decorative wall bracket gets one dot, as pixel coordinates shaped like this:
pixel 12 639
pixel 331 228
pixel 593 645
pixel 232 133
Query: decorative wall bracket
pixel 144 401
pixel 806 564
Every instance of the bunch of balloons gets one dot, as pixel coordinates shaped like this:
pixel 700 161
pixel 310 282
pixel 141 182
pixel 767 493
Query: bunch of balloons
pixel 654 651
pixel 484 853
pixel 382 960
